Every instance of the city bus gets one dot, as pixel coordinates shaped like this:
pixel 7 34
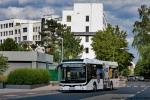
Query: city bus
pixel 87 74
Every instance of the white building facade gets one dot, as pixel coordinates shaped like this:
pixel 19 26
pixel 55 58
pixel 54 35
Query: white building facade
pixel 20 30
pixel 84 20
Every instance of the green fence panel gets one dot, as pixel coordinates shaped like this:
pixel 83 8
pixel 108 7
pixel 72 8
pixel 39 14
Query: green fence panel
pixel 53 75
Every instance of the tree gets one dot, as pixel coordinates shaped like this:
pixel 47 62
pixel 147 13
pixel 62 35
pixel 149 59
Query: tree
pixel 109 45
pixel 72 46
pixel 9 45
pixel 51 31
pixel 3 64
pixel 142 40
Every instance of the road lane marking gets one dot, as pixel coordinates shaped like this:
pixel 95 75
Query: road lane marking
pixel 132 95
pixel 143 86
pixel 135 86
pixel 24 96
pixel 10 95
pixel 142 90
pixel 138 92
pixel 31 93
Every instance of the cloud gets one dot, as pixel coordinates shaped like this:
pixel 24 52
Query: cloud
pixel 26 12
pixel 4 1
pixel 130 40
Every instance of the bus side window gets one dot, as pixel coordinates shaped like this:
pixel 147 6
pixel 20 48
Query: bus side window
pixel 93 69
pixel 100 71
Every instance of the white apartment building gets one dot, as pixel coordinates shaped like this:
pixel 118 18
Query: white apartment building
pixel 84 20
pixel 20 30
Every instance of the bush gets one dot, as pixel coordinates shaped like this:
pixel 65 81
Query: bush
pixel 3 79
pixel 28 77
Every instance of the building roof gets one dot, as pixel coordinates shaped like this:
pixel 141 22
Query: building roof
pixel 27 56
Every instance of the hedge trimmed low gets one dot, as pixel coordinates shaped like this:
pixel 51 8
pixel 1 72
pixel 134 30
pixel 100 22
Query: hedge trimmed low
pixel 28 77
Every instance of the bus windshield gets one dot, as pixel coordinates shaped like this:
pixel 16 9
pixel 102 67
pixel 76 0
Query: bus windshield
pixel 73 73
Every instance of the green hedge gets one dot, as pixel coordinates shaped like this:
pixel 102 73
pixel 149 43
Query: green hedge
pixel 28 77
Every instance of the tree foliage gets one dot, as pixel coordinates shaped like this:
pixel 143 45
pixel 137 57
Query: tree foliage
pixel 142 40
pixel 3 64
pixel 110 45
pixel 9 45
pixel 72 45
pixel 51 32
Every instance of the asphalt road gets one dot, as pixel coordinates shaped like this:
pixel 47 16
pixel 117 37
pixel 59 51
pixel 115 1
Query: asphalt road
pixel 132 91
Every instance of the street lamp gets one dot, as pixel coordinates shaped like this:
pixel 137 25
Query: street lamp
pixel 62 48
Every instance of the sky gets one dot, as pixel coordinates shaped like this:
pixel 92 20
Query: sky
pixel 118 12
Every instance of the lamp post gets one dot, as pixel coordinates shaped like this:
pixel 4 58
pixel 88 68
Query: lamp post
pixel 62 48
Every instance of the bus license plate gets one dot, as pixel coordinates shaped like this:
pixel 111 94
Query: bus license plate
pixel 71 88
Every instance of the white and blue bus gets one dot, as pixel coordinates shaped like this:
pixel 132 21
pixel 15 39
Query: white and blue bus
pixel 87 74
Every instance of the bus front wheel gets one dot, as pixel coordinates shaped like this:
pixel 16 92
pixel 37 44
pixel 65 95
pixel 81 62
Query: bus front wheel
pixel 111 86
pixel 94 86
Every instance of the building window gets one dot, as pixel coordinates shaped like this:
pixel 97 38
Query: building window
pixel 25 29
pixel 6 25
pixel 86 50
pixel 6 33
pixel 68 18
pixel 33 37
pixel 24 37
pixel 17 24
pixel 19 32
pixel 86 38
pixel 39 29
pixel 15 39
pixel 87 19
pixel 12 25
pixel 11 32
pixel 9 24
pixel 87 29
pixel 15 31
pixel 38 37
pixel 33 29
pixel 19 39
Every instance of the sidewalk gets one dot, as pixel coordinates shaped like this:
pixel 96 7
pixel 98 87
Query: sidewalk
pixel 44 88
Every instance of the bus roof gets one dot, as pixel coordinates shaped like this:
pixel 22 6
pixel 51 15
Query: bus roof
pixel 91 61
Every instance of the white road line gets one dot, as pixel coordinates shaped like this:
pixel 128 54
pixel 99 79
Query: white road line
pixel 10 95
pixel 128 86
pixel 135 86
pixel 142 90
pixel 143 86
pixel 138 92
pixel 30 93
pixel 132 95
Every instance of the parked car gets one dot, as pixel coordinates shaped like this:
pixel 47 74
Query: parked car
pixel 141 78
pixel 131 78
